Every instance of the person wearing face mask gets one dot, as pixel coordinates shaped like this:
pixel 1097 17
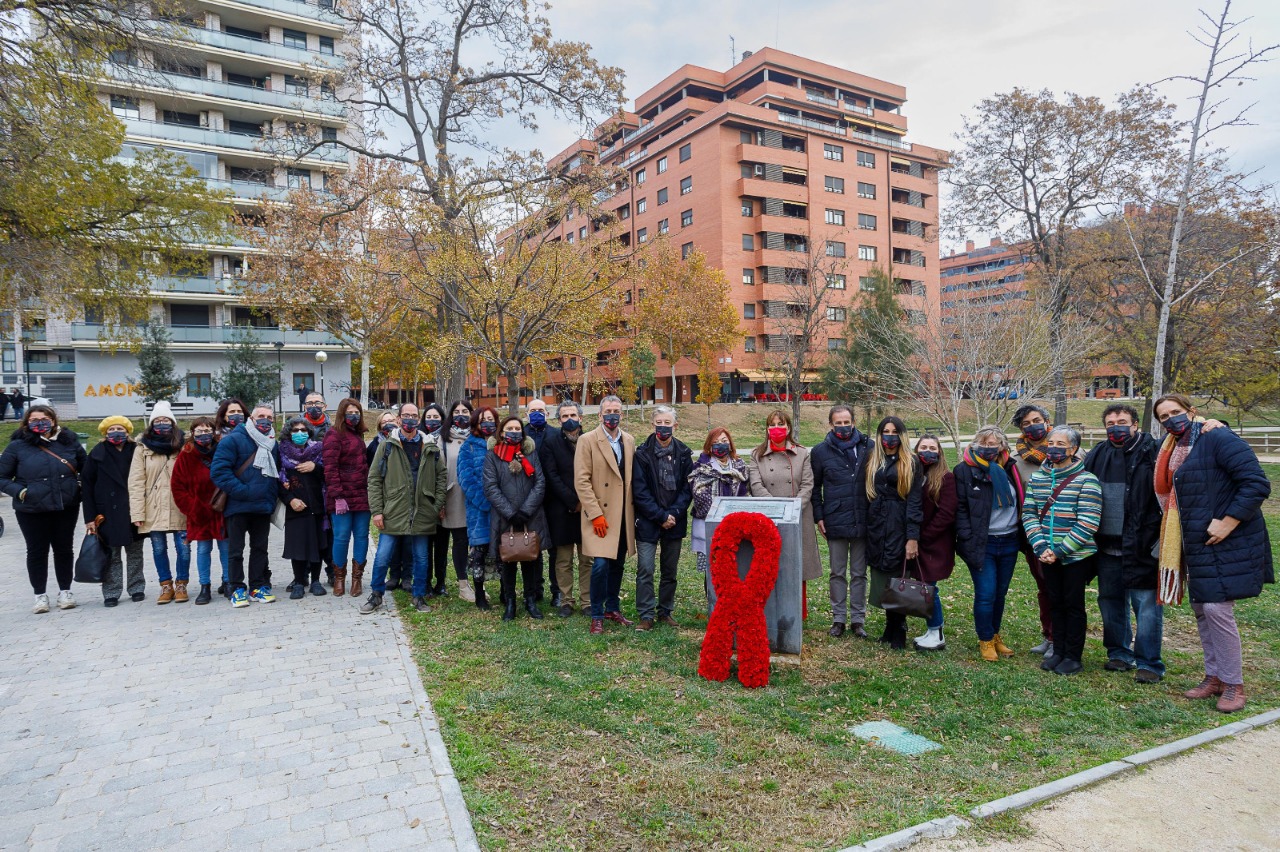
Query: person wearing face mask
pixel 840 511
pixel 894 516
pixel 1060 515
pixel 316 413
pixel 388 422
pixel 151 504
pixel 304 499
pixel 347 496
pixel 782 468
pixel 515 486
pixel 454 432
pixel 1032 423
pixel 989 536
pixel 662 498
pixel 406 493
pixel 1214 544
pixel 937 533
pixel 105 482
pixel 718 472
pixel 192 489
pixel 231 413
pixel 40 470
pixel 481 561
pixel 433 428
pixel 246 465
pixel 537 429
pixel 603 468
pixel 562 508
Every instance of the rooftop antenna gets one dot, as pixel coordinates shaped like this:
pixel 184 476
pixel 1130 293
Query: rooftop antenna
pixel 733 52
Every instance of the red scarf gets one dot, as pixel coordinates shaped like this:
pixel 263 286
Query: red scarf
pixel 507 452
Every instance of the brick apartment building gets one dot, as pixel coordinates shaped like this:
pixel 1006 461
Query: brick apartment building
pixel 756 166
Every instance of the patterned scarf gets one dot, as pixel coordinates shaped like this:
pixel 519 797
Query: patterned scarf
pixel 1031 452
pixel 511 454
pixel 1172 579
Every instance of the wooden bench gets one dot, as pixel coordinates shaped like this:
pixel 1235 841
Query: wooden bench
pixel 177 407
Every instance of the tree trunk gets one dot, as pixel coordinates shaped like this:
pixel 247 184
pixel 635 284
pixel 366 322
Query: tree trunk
pixel 513 392
pixel 1059 377
pixel 365 354
pixel 586 380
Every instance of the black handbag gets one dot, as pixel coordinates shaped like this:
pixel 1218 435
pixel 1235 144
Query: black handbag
pixel 907 596
pixel 93 560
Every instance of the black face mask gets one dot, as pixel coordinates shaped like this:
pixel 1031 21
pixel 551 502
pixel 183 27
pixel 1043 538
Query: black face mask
pixel 488 427
pixel 986 453
pixel 203 440
pixel 1177 425
pixel 353 418
pixel 1118 434
pixel 663 432
pixel 408 423
pixel 1057 455
pixel 891 442
pixel 844 433
pixel 462 421
pixel 315 411
pixel 928 457
pixel 162 429
pixel 1036 431
pixel 512 438
pixel 611 421
pixel 571 425
pixel 234 420
pixel 264 425
pixel 387 428
pixel 430 426
pixel 720 450
pixel 117 438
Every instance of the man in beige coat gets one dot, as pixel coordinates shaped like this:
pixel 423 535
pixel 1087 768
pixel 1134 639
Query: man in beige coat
pixel 602 470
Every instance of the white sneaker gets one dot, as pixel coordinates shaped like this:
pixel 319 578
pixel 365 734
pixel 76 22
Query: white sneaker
pixel 42 604
pixel 466 592
pixel 931 641
pixel 66 600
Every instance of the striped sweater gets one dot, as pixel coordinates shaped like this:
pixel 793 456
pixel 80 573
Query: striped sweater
pixel 1071 522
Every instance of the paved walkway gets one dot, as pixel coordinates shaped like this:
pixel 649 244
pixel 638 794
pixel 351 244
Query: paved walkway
pixel 294 725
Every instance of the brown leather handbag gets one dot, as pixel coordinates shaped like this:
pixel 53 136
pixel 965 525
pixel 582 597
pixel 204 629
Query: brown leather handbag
pixel 218 499
pixel 521 546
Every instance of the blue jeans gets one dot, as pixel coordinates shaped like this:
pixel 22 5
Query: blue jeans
pixel 935 621
pixel 160 553
pixel 419 545
pixel 204 560
pixel 345 527
pixel 606 582
pixel 1140 647
pixel 991 584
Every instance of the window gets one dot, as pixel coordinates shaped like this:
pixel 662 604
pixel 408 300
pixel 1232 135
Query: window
pixel 582 232
pixel 294 85
pixel 867 283
pixel 662 197
pixel 866 190
pixel 748 344
pixel 328 134
pixel 866 222
pixel 686 185
pixel 866 158
pixel 296 38
pixel 185 119
pixel 624 212
pixel 569 238
pixel 626 297
pixel 748 209
pixel 833 184
pixel 326 45
pixel 749 310
pixel 866 252
pixel 835 217
pixel 125 57
pixel 662 165
pixel 748 242
pixel 686 151
pixel 663 227
pixel 573 363
pixel 836 314
pixel 915 317
pixel 642 235
pixel 748 276
pixel 199 384
pixel 836 281
pixel 642 205
pixel 299 178
pixel 189 316
pixel 686 250
pixel 641 177
pixel 304 380
pixel 686 218
pixel 125 107
pixel 833 152
pixel 834 344
pixel 835 248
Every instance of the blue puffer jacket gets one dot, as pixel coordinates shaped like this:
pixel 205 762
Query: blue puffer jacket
pixel 1222 478
pixel 250 493
pixel 471 478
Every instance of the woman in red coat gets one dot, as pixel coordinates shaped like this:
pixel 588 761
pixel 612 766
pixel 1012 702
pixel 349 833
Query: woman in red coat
pixel 192 488
pixel 346 476
pixel 937 533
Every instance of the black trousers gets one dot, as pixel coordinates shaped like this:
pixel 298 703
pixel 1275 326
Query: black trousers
pixel 1065 584
pixel 304 572
pixel 258 529
pixel 45 531
pixel 532 579
pixel 440 553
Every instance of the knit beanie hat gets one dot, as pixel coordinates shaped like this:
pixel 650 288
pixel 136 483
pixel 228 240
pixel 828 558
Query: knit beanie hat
pixel 162 409
pixel 116 420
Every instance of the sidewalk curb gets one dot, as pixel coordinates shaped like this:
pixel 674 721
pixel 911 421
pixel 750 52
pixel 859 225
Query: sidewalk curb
pixel 948 826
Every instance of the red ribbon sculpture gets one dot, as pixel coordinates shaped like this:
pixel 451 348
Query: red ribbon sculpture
pixel 739 610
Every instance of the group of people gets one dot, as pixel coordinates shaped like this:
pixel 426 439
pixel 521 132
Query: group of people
pixel 507 497
pixel 14 397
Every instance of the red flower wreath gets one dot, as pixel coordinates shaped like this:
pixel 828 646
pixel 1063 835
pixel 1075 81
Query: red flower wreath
pixel 739 611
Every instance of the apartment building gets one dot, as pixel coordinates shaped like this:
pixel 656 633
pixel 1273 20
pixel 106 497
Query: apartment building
pixel 756 167
pixel 224 87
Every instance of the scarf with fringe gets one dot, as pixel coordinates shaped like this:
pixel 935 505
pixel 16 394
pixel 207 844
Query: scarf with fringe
pixel 1171 581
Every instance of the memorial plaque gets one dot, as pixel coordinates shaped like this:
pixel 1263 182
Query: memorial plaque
pixel 782 612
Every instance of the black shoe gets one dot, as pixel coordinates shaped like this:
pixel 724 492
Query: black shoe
pixel 138 597
pixel 859 631
pixel 898 641
pixel 420 604
pixel 557 599
pixel 372 604
pixel 328 575
pixel 1146 676
pixel 482 600
pixel 297 591
pixel 509 608
pixel 565 610
pixel 289 588
pixel 837 630
pixel 205 595
pixel 114 601
pixel 224 590
pixel 531 606
pixel 1118 666
pixel 1068 667
pixel 439 591
pixel 317 589
pixel 1049 664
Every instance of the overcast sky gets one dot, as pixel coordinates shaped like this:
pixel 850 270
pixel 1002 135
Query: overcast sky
pixel 948 55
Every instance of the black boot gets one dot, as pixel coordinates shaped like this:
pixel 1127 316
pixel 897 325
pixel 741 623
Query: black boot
pixel 328 575
pixel 508 591
pixel 482 600
pixel 896 628
pixel 205 595
pixel 531 606
pixel 509 607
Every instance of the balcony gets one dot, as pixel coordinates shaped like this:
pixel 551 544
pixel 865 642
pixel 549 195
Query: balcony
pixel 51 367
pixel 220 335
pixel 133 80
pixel 752 153
pixel 320 11
pixel 273 52
pixel 182 284
pixel 820 126
pixel 163 132
pixel 886 141
pixel 778 189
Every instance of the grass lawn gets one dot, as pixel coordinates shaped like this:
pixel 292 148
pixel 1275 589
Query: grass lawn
pixel 562 740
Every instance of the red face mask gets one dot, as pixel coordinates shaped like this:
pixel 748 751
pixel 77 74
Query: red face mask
pixel 778 434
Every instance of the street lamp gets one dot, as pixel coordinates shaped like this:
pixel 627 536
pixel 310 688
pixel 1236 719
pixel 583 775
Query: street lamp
pixel 321 357
pixel 280 377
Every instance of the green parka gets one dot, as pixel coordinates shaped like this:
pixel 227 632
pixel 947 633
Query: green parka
pixel 404 509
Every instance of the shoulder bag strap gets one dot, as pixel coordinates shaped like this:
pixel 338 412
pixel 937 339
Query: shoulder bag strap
pixel 69 465
pixel 1057 492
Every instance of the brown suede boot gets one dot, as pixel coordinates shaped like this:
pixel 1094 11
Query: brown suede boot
pixel 1232 700
pixel 180 591
pixel 166 592
pixel 357 574
pixel 1208 688
pixel 340 580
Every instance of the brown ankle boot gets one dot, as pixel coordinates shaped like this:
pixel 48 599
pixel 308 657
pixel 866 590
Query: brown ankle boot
pixel 1208 688
pixel 357 574
pixel 340 580
pixel 1232 700
pixel 166 592
pixel 180 591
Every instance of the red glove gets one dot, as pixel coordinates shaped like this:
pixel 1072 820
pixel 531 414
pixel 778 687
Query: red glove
pixel 601 527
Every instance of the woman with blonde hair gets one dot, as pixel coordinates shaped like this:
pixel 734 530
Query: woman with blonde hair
pixel 894 516
pixel 937 533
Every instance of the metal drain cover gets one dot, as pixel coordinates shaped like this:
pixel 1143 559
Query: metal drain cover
pixel 893 737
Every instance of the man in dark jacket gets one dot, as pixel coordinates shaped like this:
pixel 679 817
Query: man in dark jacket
pixel 1126 563
pixel 662 497
pixel 537 429
pixel 840 511
pixel 105 487
pixel 246 465
pixel 563 510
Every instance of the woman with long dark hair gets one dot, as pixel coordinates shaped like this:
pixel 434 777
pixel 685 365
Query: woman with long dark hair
pixel 151 503
pixel 453 523
pixel 347 495
pixel 231 413
pixel 937 533
pixel 192 489
pixel 895 514
pixel 471 458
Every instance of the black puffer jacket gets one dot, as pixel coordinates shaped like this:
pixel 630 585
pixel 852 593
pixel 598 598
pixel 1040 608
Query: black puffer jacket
pixel 52 484
pixel 974 499
pixel 1142 513
pixel 509 493
pixel 839 490
pixel 892 521
pixel 556 455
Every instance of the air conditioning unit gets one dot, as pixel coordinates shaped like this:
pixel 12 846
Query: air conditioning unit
pixel 758 170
